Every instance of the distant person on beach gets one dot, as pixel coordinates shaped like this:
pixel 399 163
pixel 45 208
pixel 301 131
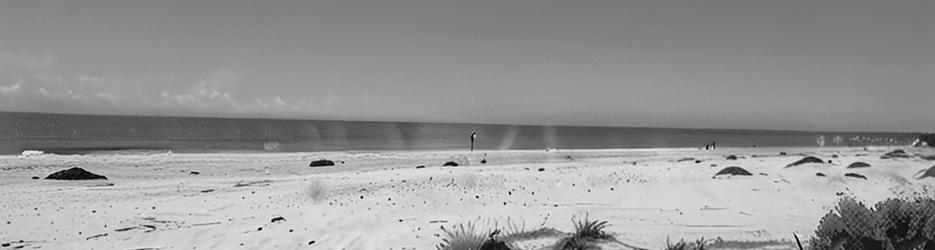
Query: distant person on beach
pixel 707 147
pixel 713 145
pixel 473 137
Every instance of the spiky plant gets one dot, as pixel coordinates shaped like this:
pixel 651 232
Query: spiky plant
pixel 462 237
pixel 682 245
pixel 588 229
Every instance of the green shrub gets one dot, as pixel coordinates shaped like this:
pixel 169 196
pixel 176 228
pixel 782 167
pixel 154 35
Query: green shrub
pixel 890 224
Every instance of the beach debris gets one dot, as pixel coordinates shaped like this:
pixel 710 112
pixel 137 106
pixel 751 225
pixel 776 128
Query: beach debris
pixel 686 159
pixel 321 163
pixel 450 164
pixel 420 166
pixel 207 190
pixel 925 173
pixel 731 157
pixel 277 219
pixel 856 175
pixel 96 236
pixel 733 170
pixel 807 159
pixel 859 164
pixel 820 174
pixel 74 173
pixel 541 169
pixel 899 153
pixel 253 183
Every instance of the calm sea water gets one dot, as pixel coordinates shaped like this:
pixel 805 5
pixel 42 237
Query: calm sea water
pixel 69 134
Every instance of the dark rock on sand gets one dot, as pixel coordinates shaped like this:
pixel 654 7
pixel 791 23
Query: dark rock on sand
pixel 859 164
pixel 420 166
pixel 925 140
pixel 930 172
pixel 782 153
pixel 277 219
pixel 731 157
pixel 541 169
pixel 194 173
pixel 74 173
pixel 733 170
pixel 820 174
pixel 35 177
pixel 484 161
pixel 321 163
pixel 855 175
pixel 807 159
pixel 899 153
pixel 450 164
pixel 697 161
pixel 928 157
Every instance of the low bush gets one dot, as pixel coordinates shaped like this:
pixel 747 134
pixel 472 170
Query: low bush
pixel 890 224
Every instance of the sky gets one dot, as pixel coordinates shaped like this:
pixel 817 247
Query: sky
pixel 843 65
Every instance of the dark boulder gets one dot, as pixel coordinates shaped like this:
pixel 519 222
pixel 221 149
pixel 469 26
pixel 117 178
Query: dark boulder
pixel 925 140
pixel 420 166
pixel 450 164
pixel 899 153
pixel 855 175
pixel 484 161
pixel 859 164
pixel 733 170
pixel 807 159
pixel 820 174
pixel 321 163
pixel 731 157
pixel 74 173
pixel 541 169
pixel 930 172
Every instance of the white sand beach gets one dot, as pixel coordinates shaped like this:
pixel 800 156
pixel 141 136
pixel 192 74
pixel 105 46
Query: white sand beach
pixel 380 200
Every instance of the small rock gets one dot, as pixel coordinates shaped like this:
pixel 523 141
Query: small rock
pixel 277 219
pixel 194 173
pixel 856 175
pixel 311 242
pixel 74 173
pixel 484 161
pixel 859 164
pixel 420 166
pixel 541 169
pixel 731 157
pixel 782 153
pixel 35 177
pixel 450 164
pixel 321 163
pixel 820 174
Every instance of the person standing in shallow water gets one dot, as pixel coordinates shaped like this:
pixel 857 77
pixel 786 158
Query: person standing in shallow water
pixel 473 137
pixel 713 145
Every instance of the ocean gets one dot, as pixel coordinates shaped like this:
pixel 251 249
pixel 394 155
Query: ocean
pixel 80 134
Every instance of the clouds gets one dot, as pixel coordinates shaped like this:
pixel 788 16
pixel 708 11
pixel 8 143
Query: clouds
pixel 36 84
pixel 11 89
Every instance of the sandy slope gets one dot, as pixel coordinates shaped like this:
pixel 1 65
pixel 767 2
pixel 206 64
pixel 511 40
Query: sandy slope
pixel 379 200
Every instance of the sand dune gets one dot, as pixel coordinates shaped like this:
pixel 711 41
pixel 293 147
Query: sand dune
pixel 380 200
